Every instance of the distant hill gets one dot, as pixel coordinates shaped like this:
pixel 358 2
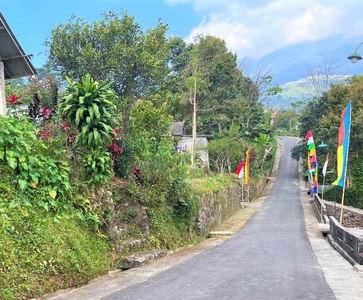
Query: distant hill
pixel 290 63
pixel 295 91
pixel 290 66
pixel 291 92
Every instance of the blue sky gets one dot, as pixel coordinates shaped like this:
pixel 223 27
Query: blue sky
pixel 251 28
pixel 32 21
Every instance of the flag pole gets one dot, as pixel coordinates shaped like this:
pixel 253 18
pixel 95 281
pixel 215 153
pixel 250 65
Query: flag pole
pixel 343 194
pixel 242 188
pixel 325 168
pixel 322 193
pixel 248 193
pixel 345 173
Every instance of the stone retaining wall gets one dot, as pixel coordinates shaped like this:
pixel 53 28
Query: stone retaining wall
pixel 215 208
pixel 353 217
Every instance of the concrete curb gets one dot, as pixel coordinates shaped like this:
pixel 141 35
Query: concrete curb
pixel 140 259
pixel 344 280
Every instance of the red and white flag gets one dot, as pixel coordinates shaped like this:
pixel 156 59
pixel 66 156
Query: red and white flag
pixel 325 168
pixel 240 169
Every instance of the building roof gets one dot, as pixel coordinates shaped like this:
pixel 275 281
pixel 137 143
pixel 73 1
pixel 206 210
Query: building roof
pixel 16 62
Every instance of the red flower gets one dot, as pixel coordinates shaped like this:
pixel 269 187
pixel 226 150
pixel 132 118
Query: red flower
pixel 45 112
pixel 65 126
pixel 115 149
pixel 46 135
pixel 13 100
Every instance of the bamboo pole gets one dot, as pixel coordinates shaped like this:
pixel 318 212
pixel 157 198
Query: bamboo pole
pixel 343 194
pixel 248 193
pixel 322 193
pixel 194 138
pixel 242 189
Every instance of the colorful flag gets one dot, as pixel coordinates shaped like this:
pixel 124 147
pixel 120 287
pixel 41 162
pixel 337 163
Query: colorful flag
pixel 308 135
pixel 247 168
pixel 343 144
pixel 325 168
pixel 312 161
pixel 240 170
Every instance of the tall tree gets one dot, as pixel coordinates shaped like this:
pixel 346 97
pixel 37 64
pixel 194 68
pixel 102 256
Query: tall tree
pixel 286 119
pixel 115 48
pixel 321 76
pixel 262 76
pixel 219 82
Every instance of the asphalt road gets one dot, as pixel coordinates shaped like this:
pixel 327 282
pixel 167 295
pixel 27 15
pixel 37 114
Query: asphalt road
pixel 270 258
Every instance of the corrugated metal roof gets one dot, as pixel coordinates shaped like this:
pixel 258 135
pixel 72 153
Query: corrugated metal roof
pixel 16 63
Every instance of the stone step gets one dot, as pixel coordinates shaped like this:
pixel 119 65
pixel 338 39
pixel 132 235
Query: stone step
pixel 130 245
pixel 220 233
pixel 141 259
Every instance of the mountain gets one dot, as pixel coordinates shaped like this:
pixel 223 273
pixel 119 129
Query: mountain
pixel 296 91
pixel 290 63
pixel 290 66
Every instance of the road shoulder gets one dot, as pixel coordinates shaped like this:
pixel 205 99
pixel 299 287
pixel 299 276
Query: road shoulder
pixel 345 282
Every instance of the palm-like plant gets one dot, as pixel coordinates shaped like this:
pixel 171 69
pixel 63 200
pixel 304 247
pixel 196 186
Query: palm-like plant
pixel 89 106
pixel 264 142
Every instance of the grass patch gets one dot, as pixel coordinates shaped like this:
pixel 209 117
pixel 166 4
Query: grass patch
pixel 207 185
pixel 169 232
pixel 46 256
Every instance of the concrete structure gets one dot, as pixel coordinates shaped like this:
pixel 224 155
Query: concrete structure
pixel 13 60
pixel 185 142
pixel 2 90
pixel 347 238
pixel 348 242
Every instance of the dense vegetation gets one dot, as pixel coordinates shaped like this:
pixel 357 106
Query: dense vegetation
pixel 322 116
pixel 86 145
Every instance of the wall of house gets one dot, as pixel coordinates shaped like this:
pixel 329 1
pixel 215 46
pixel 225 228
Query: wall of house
pixel 185 144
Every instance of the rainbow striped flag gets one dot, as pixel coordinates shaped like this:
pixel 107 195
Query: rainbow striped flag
pixel 343 145
pixel 312 161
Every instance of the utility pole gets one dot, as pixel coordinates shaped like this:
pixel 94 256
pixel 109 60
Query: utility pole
pixel 194 133
pixel 2 90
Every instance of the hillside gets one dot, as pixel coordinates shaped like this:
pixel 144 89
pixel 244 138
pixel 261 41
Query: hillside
pixel 295 91
pixel 291 63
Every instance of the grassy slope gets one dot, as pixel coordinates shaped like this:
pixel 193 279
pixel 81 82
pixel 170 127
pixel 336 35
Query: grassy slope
pixel 39 253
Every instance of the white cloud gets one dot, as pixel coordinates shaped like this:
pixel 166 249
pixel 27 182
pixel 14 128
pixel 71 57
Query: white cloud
pixel 199 5
pixel 256 27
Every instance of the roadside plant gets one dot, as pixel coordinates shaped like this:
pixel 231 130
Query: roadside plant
pixel 16 105
pixel 30 159
pixel 97 164
pixel 88 107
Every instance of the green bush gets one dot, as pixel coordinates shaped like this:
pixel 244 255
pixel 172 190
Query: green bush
pixel 89 107
pixel 123 161
pixel 42 250
pixel 30 159
pixel 352 196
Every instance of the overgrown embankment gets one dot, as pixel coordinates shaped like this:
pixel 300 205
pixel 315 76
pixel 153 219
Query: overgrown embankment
pixel 42 251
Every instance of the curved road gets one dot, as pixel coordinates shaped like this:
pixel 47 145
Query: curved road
pixel 270 258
